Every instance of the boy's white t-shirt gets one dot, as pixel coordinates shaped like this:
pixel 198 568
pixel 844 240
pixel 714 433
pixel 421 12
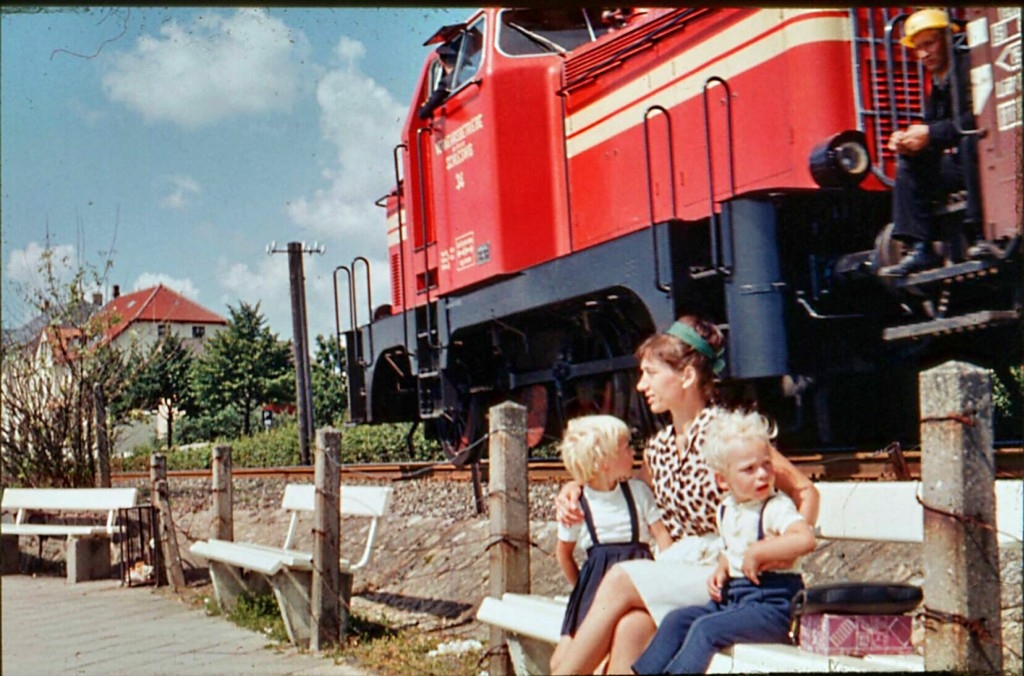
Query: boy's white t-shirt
pixel 739 530
pixel 610 514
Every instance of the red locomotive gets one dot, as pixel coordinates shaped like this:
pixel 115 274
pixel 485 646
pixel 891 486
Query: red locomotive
pixel 569 181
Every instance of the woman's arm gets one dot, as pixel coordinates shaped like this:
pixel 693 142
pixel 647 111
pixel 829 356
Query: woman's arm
pixel 567 504
pixel 796 485
pixel 564 554
pixel 661 537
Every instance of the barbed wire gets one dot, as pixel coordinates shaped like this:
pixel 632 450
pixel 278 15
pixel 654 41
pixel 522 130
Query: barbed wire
pixel 965 519
pixel 975 627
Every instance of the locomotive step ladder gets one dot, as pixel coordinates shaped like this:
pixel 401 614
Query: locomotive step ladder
pixel 429 387
pixel 964 278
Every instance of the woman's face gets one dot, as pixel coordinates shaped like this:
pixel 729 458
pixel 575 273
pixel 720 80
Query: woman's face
pixel 660 384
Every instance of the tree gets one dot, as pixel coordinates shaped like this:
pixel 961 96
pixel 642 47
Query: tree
pixel 164 379
pixel 54 371
pixel 244 366
pixel 330 389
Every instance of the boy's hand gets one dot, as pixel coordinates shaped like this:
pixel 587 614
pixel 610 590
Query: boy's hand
pixel 752 564
pixel 716 581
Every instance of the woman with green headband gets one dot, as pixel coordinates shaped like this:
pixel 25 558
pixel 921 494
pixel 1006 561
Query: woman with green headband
pixel 677 377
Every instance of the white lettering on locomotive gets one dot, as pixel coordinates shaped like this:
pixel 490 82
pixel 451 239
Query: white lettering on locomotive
pixel 456 145
pixel 446 258
pixel 465 251
pixel 461 154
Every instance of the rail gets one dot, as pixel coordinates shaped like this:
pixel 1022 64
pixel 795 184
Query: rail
pixel 859 465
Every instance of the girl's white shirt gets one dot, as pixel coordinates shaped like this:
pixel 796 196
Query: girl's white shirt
pixel 611 516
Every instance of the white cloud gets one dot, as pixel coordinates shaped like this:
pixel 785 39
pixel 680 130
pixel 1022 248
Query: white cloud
pixel 362 121
pixel 184 187
pixel 213 68
pixel 183 286
pixel 23 265
pixel 267 282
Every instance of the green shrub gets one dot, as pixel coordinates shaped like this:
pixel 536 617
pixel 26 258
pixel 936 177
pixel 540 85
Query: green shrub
pixel 259 613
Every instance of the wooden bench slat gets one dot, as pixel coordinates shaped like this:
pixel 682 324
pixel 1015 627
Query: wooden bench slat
pixel 889 510
pixel 55 530
pixel 68 499
pixel 237 554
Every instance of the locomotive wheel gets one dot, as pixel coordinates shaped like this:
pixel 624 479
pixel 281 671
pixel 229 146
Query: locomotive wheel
pixel 607 393
pixel 461 433
pixel 535 399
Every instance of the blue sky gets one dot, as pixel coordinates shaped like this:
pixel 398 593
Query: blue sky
pixel 186 140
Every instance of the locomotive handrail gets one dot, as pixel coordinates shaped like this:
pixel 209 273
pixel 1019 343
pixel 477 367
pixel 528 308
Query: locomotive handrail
pixel 716 263
pixel 858 93
pixel 369 307
pixel 890 26
pixel 661 286
pixel 954 90
pixel 401 241
pixel 424 230
pixel 337 316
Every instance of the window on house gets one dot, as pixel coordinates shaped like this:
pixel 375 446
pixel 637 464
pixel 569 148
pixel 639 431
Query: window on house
pixel 162 330
pixel 198 331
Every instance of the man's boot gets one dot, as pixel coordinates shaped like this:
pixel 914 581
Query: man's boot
pixel 919 257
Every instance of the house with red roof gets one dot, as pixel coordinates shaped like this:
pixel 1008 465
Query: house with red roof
pixel 143 317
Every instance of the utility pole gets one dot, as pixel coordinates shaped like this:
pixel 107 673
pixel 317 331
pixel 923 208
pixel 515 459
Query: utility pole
pixel 300 340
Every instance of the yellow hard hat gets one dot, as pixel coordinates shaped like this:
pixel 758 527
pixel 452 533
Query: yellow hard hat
pixel 922 20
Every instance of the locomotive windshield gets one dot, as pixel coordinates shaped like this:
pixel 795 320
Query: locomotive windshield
pixel 526 32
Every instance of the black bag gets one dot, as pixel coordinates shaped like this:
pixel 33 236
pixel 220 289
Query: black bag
pixel 854 598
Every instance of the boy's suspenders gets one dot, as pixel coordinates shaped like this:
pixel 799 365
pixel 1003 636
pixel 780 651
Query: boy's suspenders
pixel 760 519
pixel 630 505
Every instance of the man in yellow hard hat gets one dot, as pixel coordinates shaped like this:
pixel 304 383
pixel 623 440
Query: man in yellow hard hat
pixel 934 158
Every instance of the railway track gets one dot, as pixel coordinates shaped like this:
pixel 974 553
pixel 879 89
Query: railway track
pixel 888 464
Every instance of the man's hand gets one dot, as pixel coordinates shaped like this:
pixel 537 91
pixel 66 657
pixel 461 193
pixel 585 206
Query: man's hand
pixel 910 141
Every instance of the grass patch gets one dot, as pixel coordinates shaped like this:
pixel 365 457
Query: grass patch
pixel 382 649
pixel 259 613
pixel 375 645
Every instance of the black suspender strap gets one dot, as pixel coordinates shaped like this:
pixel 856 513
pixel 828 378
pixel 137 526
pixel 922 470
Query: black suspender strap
pixel 585 506
pixel 634 521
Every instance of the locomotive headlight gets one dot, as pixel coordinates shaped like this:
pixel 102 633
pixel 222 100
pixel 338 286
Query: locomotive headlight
pixel 841 161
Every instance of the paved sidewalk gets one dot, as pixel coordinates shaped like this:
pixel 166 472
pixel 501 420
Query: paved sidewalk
pixel 99 627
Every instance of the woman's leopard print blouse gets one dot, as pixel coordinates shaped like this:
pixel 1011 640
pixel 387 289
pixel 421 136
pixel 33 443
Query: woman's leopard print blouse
pixel 683 484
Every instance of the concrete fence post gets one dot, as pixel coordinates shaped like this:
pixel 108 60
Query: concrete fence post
pixel 223 496
pixel 509 504
pixel 961 555
pixel 327 605
pixel 168 538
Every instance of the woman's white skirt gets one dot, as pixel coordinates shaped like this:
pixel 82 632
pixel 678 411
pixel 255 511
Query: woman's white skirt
pixel 678 577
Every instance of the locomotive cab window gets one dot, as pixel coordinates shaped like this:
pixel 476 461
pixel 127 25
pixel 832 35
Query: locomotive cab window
pixel 471 48
pixel 528 32
pixel 458 61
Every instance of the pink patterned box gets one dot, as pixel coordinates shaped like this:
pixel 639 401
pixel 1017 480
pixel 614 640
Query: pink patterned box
pixel 828 634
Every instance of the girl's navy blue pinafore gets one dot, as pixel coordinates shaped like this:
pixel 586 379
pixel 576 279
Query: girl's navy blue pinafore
pixel 601 557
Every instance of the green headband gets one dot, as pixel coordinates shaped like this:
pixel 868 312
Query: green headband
pixel 689 335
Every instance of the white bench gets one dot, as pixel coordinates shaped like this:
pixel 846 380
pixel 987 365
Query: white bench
pixel 88 544
pixel 246 567
pixel 869 511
